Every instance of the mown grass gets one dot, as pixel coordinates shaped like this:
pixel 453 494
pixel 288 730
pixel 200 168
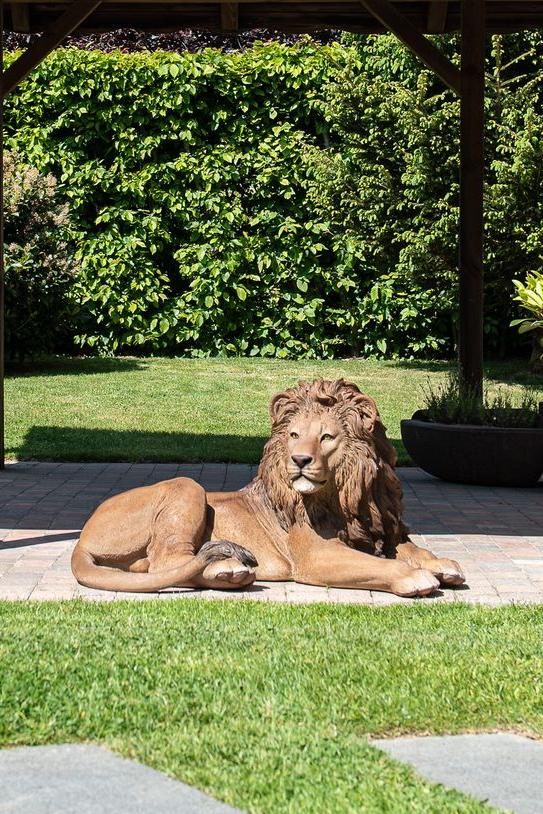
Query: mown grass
pixel 269 707
pixel 191 409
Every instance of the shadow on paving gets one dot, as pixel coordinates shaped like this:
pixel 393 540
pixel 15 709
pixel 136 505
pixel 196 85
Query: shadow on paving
pixel 39 539
pixel 61 496
pixel 96 444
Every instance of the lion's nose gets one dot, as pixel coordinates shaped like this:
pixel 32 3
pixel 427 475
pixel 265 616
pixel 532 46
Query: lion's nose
pixel 302 460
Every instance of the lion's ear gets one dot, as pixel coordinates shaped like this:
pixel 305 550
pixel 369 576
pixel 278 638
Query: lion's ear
pixel 363 409
pixel 367 412
pixel 279 405
pixel 366 409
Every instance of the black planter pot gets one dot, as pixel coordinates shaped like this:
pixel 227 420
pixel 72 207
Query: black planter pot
pixel 466 453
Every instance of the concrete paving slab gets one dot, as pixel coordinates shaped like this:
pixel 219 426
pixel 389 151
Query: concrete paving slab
pixel 91 780
pixel 503 769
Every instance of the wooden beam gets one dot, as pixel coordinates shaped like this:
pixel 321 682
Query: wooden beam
pixel 437 16
pixel 229 17
pixel 495 3
pixel 20 17
pixel 74 15
pixel 470 346
pixel 423 48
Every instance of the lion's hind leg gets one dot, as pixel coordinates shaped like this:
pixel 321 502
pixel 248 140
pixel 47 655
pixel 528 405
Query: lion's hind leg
pixel 178 538
pixel 231 565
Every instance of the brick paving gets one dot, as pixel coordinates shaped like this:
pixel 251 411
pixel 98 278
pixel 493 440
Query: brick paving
pixel 497 534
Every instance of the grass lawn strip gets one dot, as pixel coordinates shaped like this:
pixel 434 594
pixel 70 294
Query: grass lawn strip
pixel 192 409
pixel 269 707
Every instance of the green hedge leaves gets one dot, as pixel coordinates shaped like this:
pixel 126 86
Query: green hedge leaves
pixel 281 201
pixel 186 180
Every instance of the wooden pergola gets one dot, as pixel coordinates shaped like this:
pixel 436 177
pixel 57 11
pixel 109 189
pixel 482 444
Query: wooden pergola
pixel 409 20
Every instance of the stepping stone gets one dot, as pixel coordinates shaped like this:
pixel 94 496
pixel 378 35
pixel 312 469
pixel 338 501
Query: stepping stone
pixel 91 780
pixel 502 769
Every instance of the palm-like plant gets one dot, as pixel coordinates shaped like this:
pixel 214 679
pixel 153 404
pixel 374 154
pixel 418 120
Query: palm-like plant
pixel 530 296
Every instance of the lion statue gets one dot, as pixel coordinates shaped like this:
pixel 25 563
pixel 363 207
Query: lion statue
pixel 324 509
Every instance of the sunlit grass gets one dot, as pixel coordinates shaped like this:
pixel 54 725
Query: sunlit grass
pixel 192 410
pixel 270 707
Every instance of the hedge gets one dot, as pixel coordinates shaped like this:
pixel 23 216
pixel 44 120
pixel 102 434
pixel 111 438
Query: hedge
pixel 186 180
pixel 281 201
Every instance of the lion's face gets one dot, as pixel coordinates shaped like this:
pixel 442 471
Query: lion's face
pixel 327 440
pixel 314 450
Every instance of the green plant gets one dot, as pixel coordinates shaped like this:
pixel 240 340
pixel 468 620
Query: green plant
pixel 530 296
pixel 39 267
pixel 450 403
pixel 188 190
pixel 287 202
pixel 388 185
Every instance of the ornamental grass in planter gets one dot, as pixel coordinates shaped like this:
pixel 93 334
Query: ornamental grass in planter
pixel 491 442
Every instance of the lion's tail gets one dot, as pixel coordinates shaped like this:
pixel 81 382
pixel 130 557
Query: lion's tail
pixel 103 578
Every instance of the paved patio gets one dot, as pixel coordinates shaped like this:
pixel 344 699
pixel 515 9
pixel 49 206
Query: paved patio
pixel 497 534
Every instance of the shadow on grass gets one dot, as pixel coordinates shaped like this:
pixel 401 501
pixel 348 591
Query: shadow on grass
pixel 427 366
pixel 510 371
pixel 85 444
pixel 74 366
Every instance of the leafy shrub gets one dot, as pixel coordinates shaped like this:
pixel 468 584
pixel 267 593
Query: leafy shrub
pixel 131 39
pixel 38 267
pixel 187 185
pixel 282 201
pixel 530 296
pixel 389 187
pixel 448 403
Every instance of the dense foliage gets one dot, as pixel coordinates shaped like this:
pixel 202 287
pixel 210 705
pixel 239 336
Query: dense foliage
pixel 186 179
pixel 191 40
pixel 389 189
pixel 39 269
pixel 281 201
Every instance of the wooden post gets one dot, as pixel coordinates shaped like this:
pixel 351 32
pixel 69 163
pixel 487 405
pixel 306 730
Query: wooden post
pixel 2 303
pixel 437 17
pixel 470 350
pixel 229 17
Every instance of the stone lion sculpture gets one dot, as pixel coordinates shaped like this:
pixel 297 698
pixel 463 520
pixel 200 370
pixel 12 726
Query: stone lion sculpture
pixel 324 509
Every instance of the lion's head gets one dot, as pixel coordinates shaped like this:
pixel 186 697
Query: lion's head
pixel 328 462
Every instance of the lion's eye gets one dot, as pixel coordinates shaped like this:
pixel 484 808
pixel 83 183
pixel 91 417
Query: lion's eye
pixel 294 435
pixel 327 437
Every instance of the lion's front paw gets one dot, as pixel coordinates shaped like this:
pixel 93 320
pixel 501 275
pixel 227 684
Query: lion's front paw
pixel 418 583
pixel 448 572
pixel 227 565
pixel 230 573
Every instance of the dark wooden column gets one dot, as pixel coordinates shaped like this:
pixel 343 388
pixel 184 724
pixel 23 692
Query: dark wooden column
pixel 2 443
pixel 67 22
pixel 471 194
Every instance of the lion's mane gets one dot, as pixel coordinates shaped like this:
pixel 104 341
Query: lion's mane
pixel 366 500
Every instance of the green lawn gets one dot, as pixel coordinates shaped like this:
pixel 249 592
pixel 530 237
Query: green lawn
pixel 269 707
pixel 187 409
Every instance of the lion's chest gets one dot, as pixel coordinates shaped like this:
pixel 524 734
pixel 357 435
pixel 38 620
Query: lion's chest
pixel 324 522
